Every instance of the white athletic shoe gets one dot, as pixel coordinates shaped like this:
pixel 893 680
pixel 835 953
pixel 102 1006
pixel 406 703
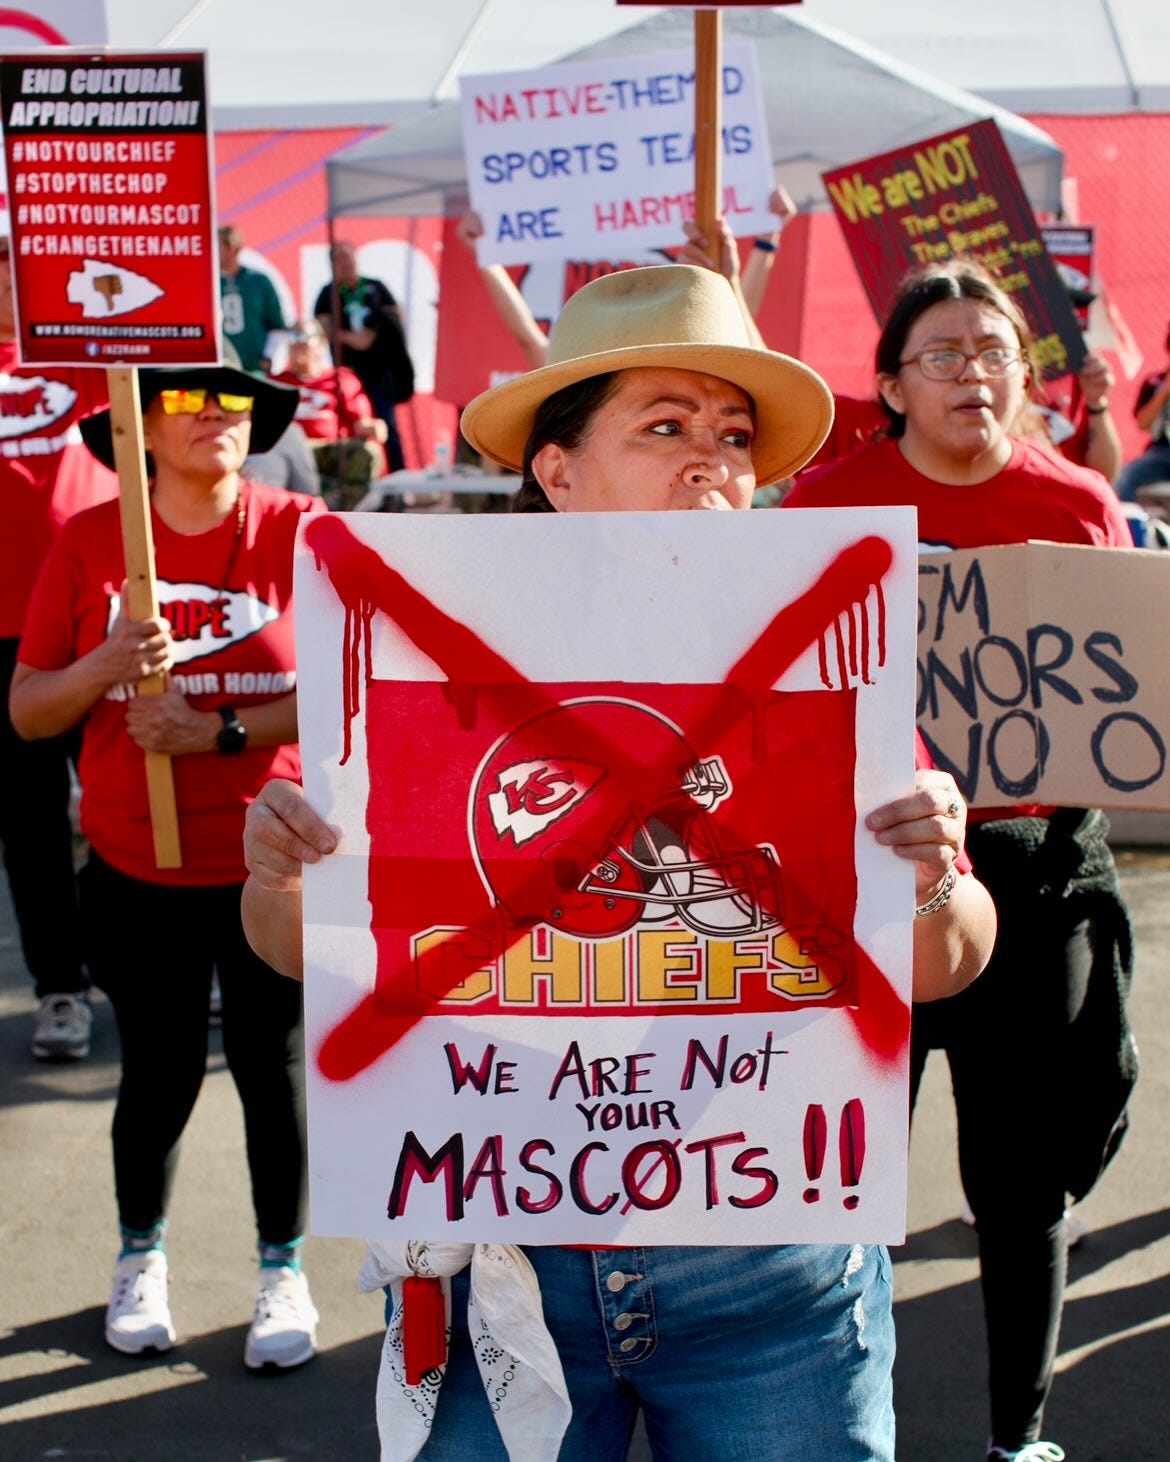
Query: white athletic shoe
pixel 139 1317
pixel 284 1328
pixel 1030 1452
pixel 62 1029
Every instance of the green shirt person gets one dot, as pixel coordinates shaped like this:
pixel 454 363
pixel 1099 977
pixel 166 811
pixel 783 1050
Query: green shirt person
pixel 249 302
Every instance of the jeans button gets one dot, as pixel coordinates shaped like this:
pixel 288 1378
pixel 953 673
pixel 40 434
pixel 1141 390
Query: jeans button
pixel 616 1282
pixel 629 1344
pixel 623 1322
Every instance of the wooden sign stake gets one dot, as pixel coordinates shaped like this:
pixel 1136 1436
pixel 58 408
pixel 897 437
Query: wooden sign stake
pixel 709 122
pixel 141 590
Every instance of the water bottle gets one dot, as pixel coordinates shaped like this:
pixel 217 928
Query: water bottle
pixel 441 460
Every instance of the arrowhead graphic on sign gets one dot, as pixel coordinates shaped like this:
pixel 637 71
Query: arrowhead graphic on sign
pixel 104 290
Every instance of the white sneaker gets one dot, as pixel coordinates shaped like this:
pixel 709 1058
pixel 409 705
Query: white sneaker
pixel 139 1317
pixel 62 1029
pixel 284 1328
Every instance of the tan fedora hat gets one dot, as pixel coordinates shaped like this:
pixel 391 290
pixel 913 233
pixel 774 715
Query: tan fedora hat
pixel 673 315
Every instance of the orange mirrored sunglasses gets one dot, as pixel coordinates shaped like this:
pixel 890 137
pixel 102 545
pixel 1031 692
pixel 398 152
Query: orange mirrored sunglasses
pixel 191 400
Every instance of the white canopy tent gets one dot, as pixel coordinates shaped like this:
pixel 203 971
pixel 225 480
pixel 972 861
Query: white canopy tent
pixel 371 62
pixel 1058 56
pixel 829 100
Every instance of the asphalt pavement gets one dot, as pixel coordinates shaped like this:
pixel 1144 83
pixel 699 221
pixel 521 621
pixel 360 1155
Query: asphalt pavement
pixel 63 1394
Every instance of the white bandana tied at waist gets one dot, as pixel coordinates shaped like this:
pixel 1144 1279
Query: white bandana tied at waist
pixel 518 1363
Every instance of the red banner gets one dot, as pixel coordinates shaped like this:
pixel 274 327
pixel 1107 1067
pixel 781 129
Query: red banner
pixel 109 183
pixel 561 858
pixel 956 194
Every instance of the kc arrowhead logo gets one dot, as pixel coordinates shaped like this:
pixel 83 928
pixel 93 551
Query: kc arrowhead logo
pixel 104 290
pixel 533 794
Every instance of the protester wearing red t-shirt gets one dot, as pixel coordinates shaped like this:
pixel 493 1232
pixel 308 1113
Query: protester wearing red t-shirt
pixel 335 414
pixel 227 720
pixel 46 476
pixel 1041 1056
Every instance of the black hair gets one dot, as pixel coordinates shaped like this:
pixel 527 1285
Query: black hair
pixel 566 418
pixel 957 279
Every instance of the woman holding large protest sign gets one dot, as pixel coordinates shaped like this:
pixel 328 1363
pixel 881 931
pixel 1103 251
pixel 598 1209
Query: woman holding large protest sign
pixel 1041 1057
pixel 223 551
pixel 761 1352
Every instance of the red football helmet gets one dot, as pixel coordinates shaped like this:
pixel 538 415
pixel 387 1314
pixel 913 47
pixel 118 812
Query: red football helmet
pixel 567 835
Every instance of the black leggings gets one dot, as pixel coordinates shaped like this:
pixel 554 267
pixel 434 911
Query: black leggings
pixel 38 848
pixel 152 949
pixel 1008 1042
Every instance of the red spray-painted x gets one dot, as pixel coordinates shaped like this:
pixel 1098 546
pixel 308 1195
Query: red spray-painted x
pixel 366 584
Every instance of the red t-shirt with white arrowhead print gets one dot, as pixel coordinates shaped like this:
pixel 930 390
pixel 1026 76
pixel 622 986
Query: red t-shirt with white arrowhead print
pixel 233 647
pixel 46 472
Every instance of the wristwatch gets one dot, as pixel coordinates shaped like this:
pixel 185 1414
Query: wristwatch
pixel 234 736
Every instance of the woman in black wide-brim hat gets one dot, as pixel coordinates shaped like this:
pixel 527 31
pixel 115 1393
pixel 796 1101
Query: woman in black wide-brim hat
pixel 224 639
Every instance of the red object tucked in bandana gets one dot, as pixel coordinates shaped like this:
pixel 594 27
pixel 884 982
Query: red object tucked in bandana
pixel 424 1326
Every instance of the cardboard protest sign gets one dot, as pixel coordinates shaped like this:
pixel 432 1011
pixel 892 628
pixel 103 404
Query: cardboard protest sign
pixel 1042 676
pixel 606 954
pixel 111 208
pixel 955 194
pixel 594 159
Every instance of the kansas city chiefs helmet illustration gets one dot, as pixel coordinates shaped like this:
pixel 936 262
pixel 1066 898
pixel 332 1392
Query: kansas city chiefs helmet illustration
pixel 566 832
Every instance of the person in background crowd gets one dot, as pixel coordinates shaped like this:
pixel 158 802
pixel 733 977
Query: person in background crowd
pixel 370 340
pixel 335 414
pixel 46 476
pixel 1074 414
pixel 227 719
pixel 1041 1056
pixel 290 463
pixel 720 1348
pixel 510 304
pixel 1152 413
pixel 250 304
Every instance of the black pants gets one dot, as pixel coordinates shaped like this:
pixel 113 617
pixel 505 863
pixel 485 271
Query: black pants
pixel 152 949
pixel 38 848
pixel 1008 1041
pixel 382 400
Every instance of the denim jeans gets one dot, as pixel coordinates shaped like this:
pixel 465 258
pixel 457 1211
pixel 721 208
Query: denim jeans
pixel 732 1354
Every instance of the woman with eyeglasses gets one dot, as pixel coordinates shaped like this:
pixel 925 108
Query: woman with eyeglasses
pixel 1040 1052
pixel 227 718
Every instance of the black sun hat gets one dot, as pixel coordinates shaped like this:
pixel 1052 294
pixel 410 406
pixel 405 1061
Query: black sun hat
pixel 272 412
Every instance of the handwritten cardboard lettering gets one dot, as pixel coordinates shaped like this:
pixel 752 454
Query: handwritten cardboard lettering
pixel 1041 675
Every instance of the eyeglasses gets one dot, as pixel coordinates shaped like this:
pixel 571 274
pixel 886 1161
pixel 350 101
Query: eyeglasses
pixel 191 400
pixel 303 337
pixel 949 365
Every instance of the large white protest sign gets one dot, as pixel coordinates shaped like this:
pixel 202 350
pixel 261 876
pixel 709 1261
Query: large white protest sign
pixel 595 159
pixel 606 954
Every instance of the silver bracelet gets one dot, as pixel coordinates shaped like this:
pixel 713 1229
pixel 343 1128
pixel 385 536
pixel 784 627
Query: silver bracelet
pixel 942 898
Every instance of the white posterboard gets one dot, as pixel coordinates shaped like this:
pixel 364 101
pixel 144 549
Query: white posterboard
pixel 606 954
pixel 595 160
